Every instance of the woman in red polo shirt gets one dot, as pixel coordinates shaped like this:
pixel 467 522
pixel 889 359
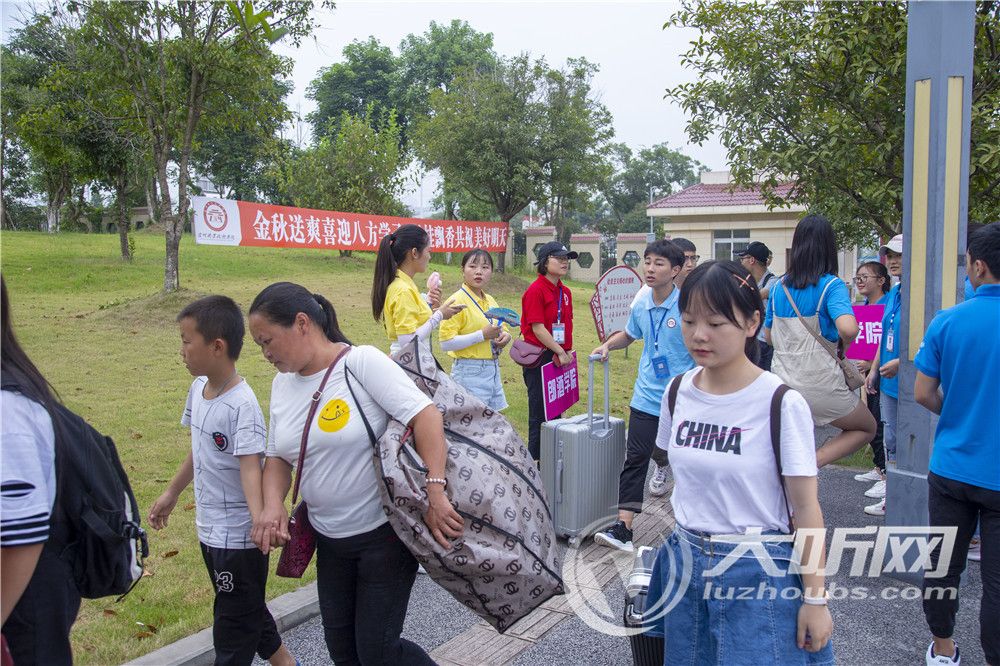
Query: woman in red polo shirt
pixel 546 321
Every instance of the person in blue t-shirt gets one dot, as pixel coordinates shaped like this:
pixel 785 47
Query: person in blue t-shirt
pixel 960 354
pixel 805 363
pixel 656 320
pixel 885 366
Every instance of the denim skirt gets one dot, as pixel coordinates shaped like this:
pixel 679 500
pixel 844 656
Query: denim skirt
pixel 723 603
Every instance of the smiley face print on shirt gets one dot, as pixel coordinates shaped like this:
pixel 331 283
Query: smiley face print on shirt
pixel 334 416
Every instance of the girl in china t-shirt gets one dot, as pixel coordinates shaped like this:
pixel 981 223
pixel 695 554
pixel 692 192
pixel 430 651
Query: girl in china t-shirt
pixel 721 602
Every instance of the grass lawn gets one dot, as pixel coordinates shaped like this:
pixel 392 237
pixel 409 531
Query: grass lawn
pixel 104 335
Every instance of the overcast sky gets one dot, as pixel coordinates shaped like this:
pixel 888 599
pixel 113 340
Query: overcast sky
pixel 638 59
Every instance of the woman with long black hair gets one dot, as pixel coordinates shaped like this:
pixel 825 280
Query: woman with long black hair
pixel 396 301
pixel 39 598
pixel 812 287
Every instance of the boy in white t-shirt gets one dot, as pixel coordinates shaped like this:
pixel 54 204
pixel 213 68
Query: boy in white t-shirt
pixel 228 438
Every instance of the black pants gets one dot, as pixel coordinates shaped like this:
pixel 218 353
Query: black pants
pixel 878 449
pixel 37 630
pixel 638 449
pixel 536 404
pixel 242 623
pixel 364 584
pixel 953 503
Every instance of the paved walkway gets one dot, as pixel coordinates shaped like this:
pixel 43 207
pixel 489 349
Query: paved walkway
pixel 868 631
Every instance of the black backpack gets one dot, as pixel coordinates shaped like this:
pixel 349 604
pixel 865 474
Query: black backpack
pixel 95 525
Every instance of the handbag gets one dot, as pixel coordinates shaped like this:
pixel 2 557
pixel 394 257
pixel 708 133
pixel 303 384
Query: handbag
pixel 526 354
pixel 297 553
pixel 852 376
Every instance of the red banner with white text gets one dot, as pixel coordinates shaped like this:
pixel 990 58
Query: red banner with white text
pixel 229 222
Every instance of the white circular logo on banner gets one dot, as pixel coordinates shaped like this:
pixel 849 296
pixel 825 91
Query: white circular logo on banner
pixel 215 216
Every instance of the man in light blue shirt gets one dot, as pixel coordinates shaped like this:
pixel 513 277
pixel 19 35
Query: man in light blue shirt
pixel 655 319
pixel 960 354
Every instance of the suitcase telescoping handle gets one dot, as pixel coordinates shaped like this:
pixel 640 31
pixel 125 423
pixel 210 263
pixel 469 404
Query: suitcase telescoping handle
pixel 590 396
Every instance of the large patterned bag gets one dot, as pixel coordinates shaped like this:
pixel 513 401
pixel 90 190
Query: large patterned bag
pixel 504 565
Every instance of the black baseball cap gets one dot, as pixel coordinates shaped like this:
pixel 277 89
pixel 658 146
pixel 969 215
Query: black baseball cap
pixel 757 250
pixel 555 249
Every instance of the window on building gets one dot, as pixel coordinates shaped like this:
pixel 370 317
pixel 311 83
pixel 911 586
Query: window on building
pixel 728 242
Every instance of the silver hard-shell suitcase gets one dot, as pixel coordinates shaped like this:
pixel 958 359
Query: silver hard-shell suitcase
pixel 581 460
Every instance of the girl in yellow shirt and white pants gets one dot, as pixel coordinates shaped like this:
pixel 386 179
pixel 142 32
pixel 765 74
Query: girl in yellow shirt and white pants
pixel 472 339
pixel 396 301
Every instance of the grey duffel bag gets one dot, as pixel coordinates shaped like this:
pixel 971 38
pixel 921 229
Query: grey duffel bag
pixel 504 565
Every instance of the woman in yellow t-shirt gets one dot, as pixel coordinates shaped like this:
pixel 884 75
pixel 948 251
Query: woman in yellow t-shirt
pixel 396 301
pixel 473 340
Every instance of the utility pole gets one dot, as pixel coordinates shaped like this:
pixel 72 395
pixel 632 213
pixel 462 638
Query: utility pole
pixel 939 57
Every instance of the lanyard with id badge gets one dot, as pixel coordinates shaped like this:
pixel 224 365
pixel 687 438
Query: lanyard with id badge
pixel 890 337
pixel 559 328
pixel 493 347
pixel 661 367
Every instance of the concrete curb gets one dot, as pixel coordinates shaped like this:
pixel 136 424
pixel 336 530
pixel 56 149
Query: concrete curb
pixel 289 610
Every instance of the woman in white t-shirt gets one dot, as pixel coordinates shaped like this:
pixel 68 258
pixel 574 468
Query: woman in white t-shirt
pixel 39 598
pixel 364 572
pixel 719 598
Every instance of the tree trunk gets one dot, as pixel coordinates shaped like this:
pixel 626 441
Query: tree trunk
pixel 171 281
pixel 124 223
pixel 151 205
pixel 52 216
pixel 502 257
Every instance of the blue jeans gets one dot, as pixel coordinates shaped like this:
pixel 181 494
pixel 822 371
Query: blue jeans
pixel 481 377
pixel 741 615
pixel 889 407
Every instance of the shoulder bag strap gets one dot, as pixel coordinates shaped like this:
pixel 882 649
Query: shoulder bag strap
pixel 675 385
pixel 364 419
pixel 779 393
pixel 824 343
pixel 305 429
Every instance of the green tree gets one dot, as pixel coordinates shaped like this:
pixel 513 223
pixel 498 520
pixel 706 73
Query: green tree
pixel 432 60
pixel 816 91
pixel 239 154
pixel 576 142
pixel 513 134
pixel 429 62
pixel 184 61
pixel 455 203
pixel 366 83
pixel 658 169
pixel 360 169
pixel 40 100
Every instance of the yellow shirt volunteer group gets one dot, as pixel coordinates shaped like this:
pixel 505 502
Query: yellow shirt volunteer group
pixel 470 320
pixel 405 310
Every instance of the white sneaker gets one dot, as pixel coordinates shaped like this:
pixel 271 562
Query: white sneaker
pixel 877 491
pixel 872 475
pixel 877 509
pixel 941 660
pixel 658 484
pixel 975 550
